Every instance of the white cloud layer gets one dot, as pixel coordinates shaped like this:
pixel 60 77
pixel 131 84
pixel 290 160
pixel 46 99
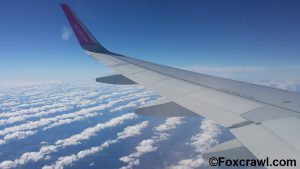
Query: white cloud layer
pixel 148 145
pixel 92 131
pixel 69 160
pixel 200 142
pixel 133 99
pixel 72 140
pixel 45 102
pixel 132 130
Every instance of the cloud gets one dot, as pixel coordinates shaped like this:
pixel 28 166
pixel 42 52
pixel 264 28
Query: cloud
pixel 19 135
pixel 145 146
pixel 109 104
pixel 48 121
pixel 132 130
pixel 51 122
pixel 73 140
pixel 22 117
pixel 169 124
pixel 92 131
pixel 66 33
pixel 136 103
pixel 200 142
pixel 45 100
pixel 46 97
pixel 148 145
pixel 293 85
pixel 69 160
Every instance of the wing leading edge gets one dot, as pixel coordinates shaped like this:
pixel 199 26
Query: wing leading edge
pixel 260 117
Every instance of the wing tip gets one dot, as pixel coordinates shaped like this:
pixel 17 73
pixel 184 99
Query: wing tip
pixel 64 6
pixel 85 38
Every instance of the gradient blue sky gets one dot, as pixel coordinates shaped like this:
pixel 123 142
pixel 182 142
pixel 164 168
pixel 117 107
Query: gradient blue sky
pixel 252 39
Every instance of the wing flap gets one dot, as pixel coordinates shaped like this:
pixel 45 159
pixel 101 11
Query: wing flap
pixel 115 79
pixel 165 108
pixel 287 129
pixel 232 149
pixel 267 113
pixel 217 114
pixel 263 142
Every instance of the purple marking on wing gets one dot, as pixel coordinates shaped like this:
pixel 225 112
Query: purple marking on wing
pixel 79 30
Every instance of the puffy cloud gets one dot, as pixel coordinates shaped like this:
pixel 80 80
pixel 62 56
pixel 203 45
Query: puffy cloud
pixel 145 146
pixel 148 145
pixel 68 118
pixel 73 140
pixel 69 160
pixel 129 131
pixel 132 130
pixel 133 103
pixel 47 121
pixel 189 163
pixel 92 131
pixel 40 105
pixel 207 137
pixel 19 118
pixel 19 135
pixel 49 101
pixel 32 110
pixel 7 164
pixel 109 104
pixel 35 156
pixel 170 123
pixel 201 142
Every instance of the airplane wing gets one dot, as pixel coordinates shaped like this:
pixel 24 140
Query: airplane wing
pixel 264 120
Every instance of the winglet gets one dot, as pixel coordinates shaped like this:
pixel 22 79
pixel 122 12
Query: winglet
pixel 85 38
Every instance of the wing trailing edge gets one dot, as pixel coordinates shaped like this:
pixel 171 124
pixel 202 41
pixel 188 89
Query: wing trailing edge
pixel 232 149
pixel 164 108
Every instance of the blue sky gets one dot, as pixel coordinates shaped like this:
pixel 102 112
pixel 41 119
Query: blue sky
pixel 236 39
